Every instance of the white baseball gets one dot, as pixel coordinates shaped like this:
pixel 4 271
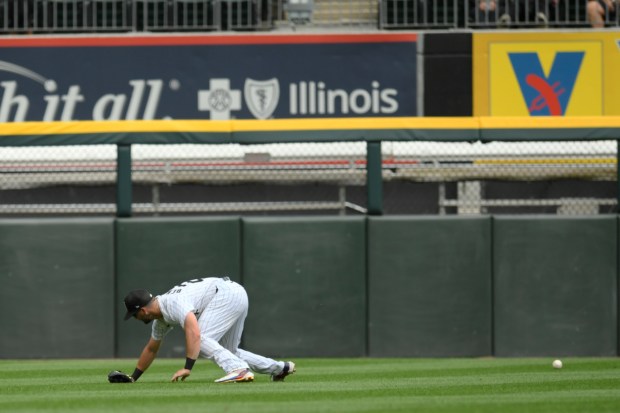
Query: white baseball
pixel 557 364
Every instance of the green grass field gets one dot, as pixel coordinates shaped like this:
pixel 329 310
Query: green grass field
pixel 320 385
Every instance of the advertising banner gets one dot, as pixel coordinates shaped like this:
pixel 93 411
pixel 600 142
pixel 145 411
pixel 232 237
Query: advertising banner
pixel 207 77
pixel 546 74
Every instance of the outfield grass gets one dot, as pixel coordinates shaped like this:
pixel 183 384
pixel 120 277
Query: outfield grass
pixel 320 385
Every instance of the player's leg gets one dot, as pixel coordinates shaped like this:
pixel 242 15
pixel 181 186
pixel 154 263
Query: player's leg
pixel 260 364
pixel 264 365
pixel 257 363
pixel 221 315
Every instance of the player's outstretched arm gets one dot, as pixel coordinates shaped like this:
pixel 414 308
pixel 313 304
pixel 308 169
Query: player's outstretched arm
pixel 146 358
pixel 192 346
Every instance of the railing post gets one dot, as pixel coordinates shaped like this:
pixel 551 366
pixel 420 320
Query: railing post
pixel 374 180
pixel 123 180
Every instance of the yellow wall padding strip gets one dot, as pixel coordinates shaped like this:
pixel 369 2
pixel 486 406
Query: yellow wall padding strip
pixel 548 122
pixel 137 126
pixel 314 124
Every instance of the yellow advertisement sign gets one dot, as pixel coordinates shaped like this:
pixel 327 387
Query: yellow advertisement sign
pixel 546 74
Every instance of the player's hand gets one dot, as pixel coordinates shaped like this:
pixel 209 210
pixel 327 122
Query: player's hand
pixel 181 374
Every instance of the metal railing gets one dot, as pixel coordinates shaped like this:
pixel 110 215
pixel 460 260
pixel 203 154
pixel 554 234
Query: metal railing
pixel 488 14
pixel 74 16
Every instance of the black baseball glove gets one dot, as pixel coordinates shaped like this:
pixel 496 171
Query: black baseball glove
pixel 117 376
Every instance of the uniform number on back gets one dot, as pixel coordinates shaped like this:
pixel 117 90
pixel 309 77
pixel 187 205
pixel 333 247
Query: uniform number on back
pixel 178 288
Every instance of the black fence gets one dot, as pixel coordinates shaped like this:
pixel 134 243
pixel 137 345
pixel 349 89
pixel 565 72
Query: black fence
pixel 74 16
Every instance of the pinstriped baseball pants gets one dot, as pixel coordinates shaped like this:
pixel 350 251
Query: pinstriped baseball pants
pixel 221 327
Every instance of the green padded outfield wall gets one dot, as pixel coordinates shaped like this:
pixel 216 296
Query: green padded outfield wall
pixel 57 278
pixel 429 286
pixel 158 253
pixel 306 279
pixel 555 282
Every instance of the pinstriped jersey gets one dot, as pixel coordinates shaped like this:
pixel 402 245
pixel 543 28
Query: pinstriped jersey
pixel 191 296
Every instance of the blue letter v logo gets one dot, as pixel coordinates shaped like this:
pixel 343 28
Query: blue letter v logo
pixel 543 95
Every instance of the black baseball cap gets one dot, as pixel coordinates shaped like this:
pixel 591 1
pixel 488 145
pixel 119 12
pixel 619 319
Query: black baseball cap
pixel 135 300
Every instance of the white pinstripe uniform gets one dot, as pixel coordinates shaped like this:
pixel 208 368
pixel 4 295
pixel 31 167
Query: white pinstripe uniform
pixel 220 305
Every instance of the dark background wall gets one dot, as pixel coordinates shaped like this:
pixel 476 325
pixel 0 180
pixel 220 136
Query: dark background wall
pixel 447 72
pixel 429 286
pixel 57 288
pixel 555 283
pixel 307 286
pixel 323 286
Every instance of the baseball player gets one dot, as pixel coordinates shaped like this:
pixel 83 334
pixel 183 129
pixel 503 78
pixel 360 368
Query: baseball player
pixel 212 312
